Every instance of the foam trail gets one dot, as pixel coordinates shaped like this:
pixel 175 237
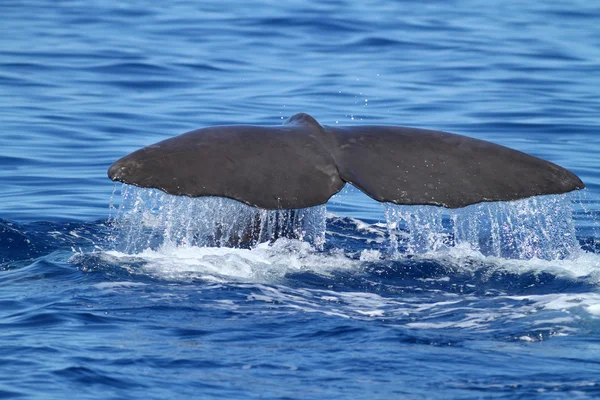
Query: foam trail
pixel 149 219
pixel 538 227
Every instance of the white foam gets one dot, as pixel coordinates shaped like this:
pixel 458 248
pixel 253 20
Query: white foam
pixel 525 338
pixel 117 285
pixel 260 271
pixel 264 263
pixel 564 302
pixel 593 309
pixel 371 313
pixel 580 264
pixel 370 255
pixel 480 319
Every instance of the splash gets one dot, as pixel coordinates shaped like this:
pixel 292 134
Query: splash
pixel 538 227
pixel 150 219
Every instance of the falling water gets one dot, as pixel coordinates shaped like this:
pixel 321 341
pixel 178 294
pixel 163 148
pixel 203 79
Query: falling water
pixel 538 227
pixel 149 219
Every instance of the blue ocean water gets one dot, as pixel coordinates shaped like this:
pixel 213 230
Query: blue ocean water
pixel 102 297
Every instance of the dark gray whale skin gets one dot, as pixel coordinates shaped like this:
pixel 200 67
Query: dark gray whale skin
pixel 302 164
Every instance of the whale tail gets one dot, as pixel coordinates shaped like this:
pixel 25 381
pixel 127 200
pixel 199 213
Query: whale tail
pixel 302 164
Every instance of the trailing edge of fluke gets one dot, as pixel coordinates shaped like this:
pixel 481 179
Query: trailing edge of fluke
pixel 302 164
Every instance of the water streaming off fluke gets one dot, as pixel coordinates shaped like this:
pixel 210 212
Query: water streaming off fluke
pixel 539 227
pixel 149 219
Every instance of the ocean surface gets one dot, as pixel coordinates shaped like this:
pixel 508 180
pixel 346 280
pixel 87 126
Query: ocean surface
pixel 114 292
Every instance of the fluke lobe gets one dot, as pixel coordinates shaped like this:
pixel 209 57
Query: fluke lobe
pixel 302 164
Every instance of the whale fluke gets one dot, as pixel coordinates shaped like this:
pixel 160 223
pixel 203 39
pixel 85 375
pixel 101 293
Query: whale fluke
pixel 302 164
